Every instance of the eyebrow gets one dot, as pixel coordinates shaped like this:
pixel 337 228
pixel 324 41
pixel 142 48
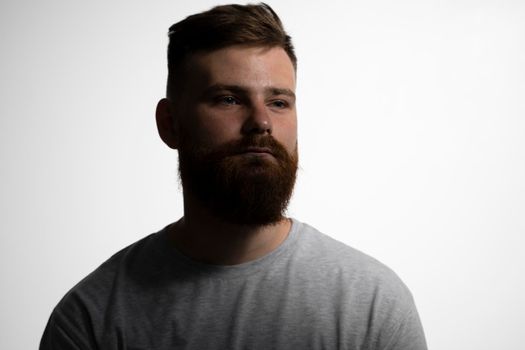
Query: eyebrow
pixel 243 90
pixel 280 91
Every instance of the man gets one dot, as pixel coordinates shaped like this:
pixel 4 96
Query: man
pixel 234 272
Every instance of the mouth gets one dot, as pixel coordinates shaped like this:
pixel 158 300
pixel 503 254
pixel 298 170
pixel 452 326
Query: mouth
pixel 257 151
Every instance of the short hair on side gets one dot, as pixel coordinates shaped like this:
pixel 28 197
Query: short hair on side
pixel 223 26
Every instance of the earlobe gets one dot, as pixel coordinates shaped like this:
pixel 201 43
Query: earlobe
pixel 166 125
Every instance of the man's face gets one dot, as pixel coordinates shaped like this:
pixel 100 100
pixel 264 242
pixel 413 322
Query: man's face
pixel 237 126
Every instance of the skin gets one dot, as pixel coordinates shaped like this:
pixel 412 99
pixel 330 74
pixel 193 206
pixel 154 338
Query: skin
pixel 232 92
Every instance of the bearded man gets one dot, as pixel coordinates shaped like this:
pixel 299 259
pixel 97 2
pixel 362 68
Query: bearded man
pixel 234 272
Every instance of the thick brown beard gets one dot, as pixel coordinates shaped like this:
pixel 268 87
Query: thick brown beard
pixel 240 190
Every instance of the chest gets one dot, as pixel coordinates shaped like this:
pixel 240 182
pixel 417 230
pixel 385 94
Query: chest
pixel 267 312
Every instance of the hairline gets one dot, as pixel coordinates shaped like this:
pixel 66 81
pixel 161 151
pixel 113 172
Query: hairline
pixel 182 66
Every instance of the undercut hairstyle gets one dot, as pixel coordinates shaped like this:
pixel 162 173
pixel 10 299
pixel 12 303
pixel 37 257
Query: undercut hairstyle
pixel 220 27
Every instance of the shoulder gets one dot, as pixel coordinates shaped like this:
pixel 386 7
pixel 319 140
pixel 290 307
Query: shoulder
pixel 122 262
pixel 80 314
pixel 363 289
pixel 355 269
pixel 331 251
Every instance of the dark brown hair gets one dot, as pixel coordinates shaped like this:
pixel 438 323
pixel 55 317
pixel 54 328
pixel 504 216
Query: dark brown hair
pixel 223 26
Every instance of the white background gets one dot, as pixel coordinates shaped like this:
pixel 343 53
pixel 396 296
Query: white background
pixel 412 125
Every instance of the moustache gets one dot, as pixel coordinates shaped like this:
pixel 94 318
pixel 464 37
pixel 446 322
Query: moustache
pixel 262 144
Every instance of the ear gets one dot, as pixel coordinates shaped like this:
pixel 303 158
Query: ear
pixel 166 124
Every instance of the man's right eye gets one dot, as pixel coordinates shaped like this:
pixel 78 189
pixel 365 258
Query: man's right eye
pixel 227 100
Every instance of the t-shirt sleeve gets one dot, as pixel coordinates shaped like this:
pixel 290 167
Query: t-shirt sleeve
pixel 67 333
pixel 396 325
pixel 409 333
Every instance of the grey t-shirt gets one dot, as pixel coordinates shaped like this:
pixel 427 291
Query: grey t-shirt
pixel 312 292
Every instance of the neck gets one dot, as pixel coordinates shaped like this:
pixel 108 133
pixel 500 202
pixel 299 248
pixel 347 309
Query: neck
pixel 204 237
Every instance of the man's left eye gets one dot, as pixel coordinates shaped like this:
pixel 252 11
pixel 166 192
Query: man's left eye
pixel 279 104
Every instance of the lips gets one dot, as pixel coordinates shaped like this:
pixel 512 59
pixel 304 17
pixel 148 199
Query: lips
pixel 261 150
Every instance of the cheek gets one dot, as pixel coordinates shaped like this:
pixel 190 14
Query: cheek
pixel 286 133
pixel 213 130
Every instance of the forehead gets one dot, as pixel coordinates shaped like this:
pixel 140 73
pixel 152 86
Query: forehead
pixel 241 65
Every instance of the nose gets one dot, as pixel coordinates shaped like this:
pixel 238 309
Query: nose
pixel 258 120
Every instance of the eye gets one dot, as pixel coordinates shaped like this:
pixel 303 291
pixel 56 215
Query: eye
pixel 227 100
pixel 279 104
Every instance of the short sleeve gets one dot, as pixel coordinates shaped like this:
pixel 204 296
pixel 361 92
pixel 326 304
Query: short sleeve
pixel 67 331
pixel 409 334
